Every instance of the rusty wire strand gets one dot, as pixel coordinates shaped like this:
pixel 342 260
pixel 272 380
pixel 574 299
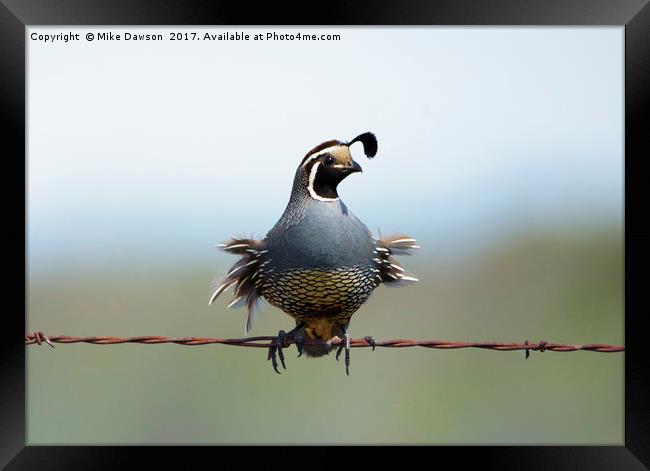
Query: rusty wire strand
pixel 267 341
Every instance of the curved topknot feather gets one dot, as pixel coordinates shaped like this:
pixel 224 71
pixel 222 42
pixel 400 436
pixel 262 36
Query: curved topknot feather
pixel 369 142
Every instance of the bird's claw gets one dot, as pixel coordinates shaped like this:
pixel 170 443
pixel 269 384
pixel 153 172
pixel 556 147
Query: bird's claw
pixel 370 340
pixel 345 345
pixel 276 347
pixel 281 335
pixel 339 350
pixel 272 356
pixel 298 340
pixel 347 353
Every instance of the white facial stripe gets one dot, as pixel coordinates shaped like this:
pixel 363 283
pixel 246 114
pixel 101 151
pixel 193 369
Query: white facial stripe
pixel 310 187
pixel 319 153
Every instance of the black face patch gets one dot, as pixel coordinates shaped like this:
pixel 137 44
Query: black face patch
pixel 326 172
pixel 326 181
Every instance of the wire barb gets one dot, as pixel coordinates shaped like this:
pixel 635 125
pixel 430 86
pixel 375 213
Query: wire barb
pixel 268 341
pixel 39 338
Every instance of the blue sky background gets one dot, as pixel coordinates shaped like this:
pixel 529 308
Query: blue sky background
pixel 160 150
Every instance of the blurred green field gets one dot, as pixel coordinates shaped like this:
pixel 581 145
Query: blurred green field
pixel 558 286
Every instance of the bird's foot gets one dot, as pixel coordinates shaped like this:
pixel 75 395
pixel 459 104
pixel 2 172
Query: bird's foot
pixel 345 346
pixel 370 340
pixel 277 347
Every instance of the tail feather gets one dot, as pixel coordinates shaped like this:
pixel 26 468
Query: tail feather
pixel 221 285
pixel 391 271
pixel 253 305
pixel 241 275
pixel 399 244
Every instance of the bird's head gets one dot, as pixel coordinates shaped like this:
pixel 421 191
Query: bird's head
pixel 327 164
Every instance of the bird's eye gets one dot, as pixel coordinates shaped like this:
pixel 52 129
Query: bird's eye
pixel 329 160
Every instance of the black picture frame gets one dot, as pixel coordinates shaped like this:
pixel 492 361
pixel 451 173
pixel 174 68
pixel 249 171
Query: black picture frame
pixel 15 15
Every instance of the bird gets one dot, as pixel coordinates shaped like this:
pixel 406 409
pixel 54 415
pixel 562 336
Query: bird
pixel 319 263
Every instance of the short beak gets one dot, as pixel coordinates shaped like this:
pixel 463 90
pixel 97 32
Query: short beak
pixel 355 167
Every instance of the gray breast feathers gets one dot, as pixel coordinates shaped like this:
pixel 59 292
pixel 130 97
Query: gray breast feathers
pixel 328 235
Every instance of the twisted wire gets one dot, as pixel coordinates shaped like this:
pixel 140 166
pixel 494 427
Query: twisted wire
pixel 270 341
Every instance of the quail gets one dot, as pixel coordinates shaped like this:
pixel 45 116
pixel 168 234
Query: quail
pixel 319 263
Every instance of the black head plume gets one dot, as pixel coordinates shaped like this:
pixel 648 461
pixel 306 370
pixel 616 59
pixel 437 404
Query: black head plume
pixel 369 142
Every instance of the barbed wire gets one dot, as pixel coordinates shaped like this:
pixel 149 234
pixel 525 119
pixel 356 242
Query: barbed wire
pixel 271 341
